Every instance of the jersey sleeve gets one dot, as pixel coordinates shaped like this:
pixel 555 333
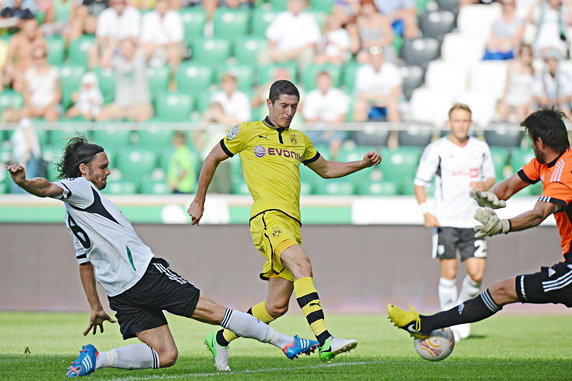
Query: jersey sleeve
pixel 311 154
pixel 427 166
pixel 557 192
pixel 530 173
pixel 76 192
pixel 235 141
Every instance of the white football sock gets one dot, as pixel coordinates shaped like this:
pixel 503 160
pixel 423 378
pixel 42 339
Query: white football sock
pixel 245 325
pixel 447 293
pixel 469 289
pixel 136 356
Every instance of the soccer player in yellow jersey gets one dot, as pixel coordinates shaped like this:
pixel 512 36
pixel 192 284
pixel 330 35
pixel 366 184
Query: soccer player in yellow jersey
pixel 271 154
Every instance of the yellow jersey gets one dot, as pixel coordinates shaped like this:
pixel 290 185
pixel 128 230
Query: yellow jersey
pixel 271 160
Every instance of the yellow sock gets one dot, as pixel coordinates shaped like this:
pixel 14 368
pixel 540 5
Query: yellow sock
pixel 258 311
pixel 309 302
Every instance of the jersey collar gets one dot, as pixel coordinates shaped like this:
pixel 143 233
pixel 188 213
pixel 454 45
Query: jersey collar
pixel 551 164
pixel 269 124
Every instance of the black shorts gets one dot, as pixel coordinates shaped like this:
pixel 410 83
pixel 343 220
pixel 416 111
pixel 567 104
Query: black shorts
pixel 141 307
pixel 549 285
pixel 447 240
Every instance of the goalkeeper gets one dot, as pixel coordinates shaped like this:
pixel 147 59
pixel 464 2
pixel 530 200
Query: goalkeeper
pixel 553 166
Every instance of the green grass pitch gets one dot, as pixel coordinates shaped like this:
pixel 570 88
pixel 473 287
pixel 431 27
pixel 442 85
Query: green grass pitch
pixel 505 347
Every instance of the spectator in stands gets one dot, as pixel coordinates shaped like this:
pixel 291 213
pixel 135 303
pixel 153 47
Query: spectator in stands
pixel 335 46
pixel 517 96
pixel 181 173
pixel 116 23
pixel 507 33
pixel 26 150
pixel 19 56
pixel 88 100
pixel 347 10
pixel 132 96
pixel 19 9
pixel 261 94
pixel 374 30
pixel 378 89
pixel 42 92
pixel 58 19
pixel 551 18
pixel 328 105
pixel 403 16
pixel 293 35
pixel 228 105
pixel 162 37
pixel 85 17
pixel 553 86
pixel 143 5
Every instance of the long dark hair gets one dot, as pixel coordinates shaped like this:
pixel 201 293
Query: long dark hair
pixel 77 151
pixel 548 124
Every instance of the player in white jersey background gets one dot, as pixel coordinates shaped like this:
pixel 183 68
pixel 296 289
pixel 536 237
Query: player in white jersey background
pixel 460 164
pixel 139 285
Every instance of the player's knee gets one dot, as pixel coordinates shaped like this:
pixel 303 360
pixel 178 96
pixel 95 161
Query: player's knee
pixel 168 357
pixel 277 310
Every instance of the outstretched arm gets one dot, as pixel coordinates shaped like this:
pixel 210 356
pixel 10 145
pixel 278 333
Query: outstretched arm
pixel 98 315
pixel 215 157
pixel 332 169
pixel 38 186
pixel 506 188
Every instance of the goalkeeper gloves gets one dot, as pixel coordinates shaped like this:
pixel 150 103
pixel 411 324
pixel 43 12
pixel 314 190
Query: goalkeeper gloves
pixel 491 223
pixel 488 199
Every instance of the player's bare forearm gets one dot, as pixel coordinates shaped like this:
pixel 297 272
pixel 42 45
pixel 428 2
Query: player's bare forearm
pixel 533 217
pixel 333 169
pixel 87 276
pixel 506 188
pixel 38 186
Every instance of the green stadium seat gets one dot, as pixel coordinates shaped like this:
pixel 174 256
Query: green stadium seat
pixel 247 49
pixel 306 188
pixel 59 138
pixel 238 186
pixel 279 5
pixel 244 75
pixel 174 107
pixel 78 50
pixel 112 137
pixel 266 73
pixel 120 187
pixel 261 19
pixel 320 17
pixel 356 153
pixel 400 162
pixel 334 187
pixel 193 22
pixel 5 153
pixel 231 23
pixel 106 79
pixel 349 76
pixel 136 163
pixel 211 51
pixel 158 79
pixel 194 78
pixel 308 176
pixel 150 186
pixel 56 50
pixel 70 80
pixel 378 188
pixel 322 5
pixel 519 157
pixel 500 160
pixel 10 99
pixel 154 135
pixel 310 73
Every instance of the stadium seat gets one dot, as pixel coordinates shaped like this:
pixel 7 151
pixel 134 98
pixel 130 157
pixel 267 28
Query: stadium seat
pixel 106 79
pixel 416 134
pixel 322 5
pixel 278 5
pixel 413 77
pixel 476 20
pixel 10 99
pixel 231 24
pixel 320 17
pixel 446 76
pixel 378 188
pixel 174 107
pixel 238 186
pixel 194 78
pixel 430 105
pixel 311 71
pixel 136 162
pixel 500 160
pixel 56 50
pixel 247 49
pixel 437 24
pixel 420 51
pixel 266 73
pixel 488 77
pixel 371 135
pixel 261 19
pixel 482 105
pixel 349 75
pixel 193 19
pixel 150 186
pixel 112 137
pixel 400 163
pixel 121 187
pixel 519 157
pixel 356 153
pixel 211 51
pixel 334 187
pixel 503 135
pixel 448 5
pixel 153 135
pixel 244 75
pixel 462 49
pixel 70 80
pixel 59 138
pixel 158 79
pixel 78 50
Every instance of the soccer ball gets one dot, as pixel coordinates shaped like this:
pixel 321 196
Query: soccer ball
pixel 437 346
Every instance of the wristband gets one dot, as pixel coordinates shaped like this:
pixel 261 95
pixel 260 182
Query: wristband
pixel 424 208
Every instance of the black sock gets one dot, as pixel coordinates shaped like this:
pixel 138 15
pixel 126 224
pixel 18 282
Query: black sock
pixel 476 309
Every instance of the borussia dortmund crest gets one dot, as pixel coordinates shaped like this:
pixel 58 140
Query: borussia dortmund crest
pixel 276 231
pixel 293 139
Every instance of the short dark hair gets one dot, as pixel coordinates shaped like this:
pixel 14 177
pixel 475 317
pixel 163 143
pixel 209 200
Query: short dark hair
pixel 280 87
pixel 548 124
pixel 78 151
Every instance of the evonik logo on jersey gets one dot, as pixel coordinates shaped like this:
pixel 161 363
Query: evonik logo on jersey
pixel 261 151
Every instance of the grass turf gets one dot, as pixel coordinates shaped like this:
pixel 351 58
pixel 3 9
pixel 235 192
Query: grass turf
pixel 504 347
